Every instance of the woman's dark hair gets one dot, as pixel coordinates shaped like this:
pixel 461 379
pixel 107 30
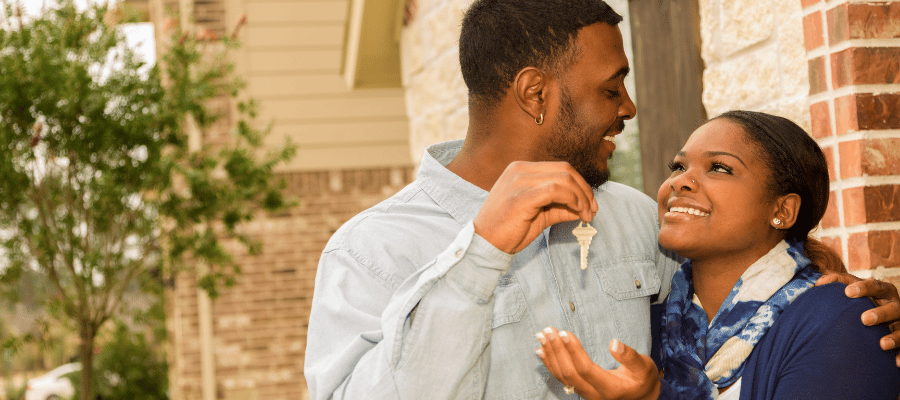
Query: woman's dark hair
pixel 797 165
pixel 501 37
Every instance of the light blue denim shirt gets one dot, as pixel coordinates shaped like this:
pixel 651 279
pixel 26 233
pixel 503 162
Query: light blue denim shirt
pixel 410 303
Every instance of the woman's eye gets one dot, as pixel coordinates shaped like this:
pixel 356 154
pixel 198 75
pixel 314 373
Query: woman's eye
pixel 719 167
pixel 676 166
pixel 612 94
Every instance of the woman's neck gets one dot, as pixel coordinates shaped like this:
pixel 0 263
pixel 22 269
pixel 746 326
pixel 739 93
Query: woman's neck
pixel 714 277
pixel 713 282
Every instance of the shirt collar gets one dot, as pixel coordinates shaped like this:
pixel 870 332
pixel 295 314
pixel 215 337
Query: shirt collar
pixel 460 198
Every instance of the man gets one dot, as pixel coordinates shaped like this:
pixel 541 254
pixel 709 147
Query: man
pixel 438 291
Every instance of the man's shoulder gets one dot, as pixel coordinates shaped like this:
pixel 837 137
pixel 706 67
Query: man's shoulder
pixel 398 234
pixel 615 191
pixel 625 200
pixel 399 213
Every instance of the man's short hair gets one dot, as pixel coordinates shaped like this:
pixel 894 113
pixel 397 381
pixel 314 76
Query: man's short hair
pixel 501 37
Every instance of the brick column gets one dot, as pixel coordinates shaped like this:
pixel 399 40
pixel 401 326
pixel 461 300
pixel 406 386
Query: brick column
pixel 853 51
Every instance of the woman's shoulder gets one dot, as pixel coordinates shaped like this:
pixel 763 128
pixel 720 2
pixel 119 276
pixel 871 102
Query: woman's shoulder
pixel 822 309
pixel 826 301
pixel 819 348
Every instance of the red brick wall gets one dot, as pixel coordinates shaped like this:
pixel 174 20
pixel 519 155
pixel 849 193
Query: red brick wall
pixel 259 325
pixel 853 50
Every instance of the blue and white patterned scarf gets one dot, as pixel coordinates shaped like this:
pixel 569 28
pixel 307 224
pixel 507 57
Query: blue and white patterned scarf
pixel 698 357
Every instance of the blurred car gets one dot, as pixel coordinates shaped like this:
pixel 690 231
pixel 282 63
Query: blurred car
pixel 54 385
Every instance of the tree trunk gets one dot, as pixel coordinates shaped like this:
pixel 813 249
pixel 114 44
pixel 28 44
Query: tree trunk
pixel 86 357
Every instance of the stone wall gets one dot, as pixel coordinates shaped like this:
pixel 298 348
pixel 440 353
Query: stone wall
pixel 755 60
pixel 259 325
pixel 436 97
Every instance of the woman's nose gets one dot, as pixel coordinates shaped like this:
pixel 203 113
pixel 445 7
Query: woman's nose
pixel 683 182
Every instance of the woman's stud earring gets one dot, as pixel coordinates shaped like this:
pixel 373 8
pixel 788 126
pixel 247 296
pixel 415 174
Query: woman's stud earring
pixel 540 121
pixel 776 221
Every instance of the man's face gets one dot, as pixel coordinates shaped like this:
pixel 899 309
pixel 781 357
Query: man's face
pixel 593 104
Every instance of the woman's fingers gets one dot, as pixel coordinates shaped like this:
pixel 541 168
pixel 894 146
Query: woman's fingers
pixel 566 359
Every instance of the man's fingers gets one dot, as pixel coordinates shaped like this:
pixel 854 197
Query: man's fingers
pixel 565 181
pixel 831 277
pixel 885 296
pixel 891 341
pixel 529 197
pixel 881 292
pixel 887 312
pixel 567 194
pixel 570 173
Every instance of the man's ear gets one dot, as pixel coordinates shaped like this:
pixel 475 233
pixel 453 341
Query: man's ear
pixel 528 89
pixel 787 208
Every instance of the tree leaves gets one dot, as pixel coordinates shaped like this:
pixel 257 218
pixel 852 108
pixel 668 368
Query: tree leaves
pixel 101 183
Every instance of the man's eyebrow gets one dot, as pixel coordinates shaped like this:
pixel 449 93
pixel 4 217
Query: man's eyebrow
pixel 621 73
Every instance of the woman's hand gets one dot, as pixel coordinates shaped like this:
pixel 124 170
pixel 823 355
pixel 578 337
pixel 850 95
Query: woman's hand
pixel 636 378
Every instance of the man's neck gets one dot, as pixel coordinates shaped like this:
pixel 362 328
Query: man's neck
pixel 488 151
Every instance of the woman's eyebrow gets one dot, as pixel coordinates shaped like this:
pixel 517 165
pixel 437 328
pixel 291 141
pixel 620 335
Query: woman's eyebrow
pixel 713 154
pixel 723 153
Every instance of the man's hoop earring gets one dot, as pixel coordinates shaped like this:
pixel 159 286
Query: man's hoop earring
pixel 540 121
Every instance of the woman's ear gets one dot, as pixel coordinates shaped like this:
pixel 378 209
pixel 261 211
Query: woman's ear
pixel 787 208
pixel 528 89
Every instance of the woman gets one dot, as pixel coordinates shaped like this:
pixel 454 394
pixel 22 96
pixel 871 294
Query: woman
pixel 743 319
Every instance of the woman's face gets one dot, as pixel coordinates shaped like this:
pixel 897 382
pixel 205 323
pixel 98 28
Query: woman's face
pixel 716 203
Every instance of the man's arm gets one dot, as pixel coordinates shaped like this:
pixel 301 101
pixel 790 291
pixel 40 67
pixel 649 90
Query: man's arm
pixel 429 338
pixel 364 343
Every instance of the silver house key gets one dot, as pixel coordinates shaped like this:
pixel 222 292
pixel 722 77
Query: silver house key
pixel 584 233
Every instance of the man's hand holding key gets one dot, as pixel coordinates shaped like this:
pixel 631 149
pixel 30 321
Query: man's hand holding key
pixel 528 198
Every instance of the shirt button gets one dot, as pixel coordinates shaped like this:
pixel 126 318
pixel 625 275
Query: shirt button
pixel 572 306
pixel 459 253
pixel 637 283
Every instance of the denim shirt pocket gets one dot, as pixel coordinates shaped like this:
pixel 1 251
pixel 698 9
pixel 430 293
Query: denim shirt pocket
pixel 628 284
pixel 509 302
pixel 629 277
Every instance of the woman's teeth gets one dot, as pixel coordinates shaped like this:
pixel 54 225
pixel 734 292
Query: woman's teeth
pixel 686 210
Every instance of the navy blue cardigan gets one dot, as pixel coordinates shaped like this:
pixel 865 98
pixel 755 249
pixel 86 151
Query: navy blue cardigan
pixel 817 349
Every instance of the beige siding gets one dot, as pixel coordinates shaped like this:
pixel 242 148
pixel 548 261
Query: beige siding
pixel 282 62
pixel 292 60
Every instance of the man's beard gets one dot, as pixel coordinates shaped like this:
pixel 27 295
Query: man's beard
pixel 571 141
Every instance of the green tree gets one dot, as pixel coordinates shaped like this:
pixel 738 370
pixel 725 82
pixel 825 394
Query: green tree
pixel 101 190
pixel 129 368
